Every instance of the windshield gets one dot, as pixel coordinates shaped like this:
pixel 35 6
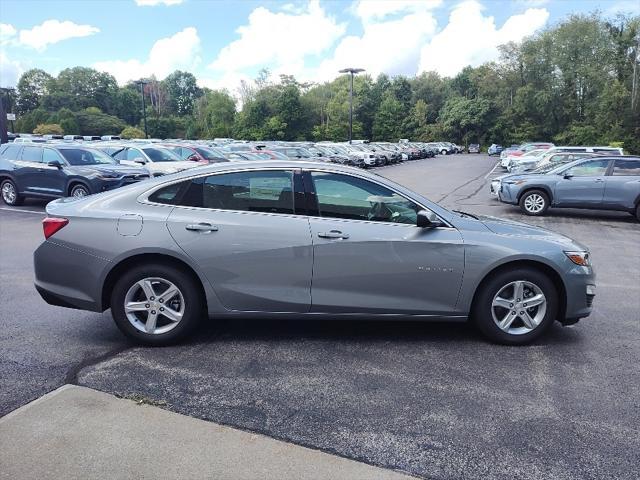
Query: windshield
pixel 209 153
pixel 83 156
pixel 161 154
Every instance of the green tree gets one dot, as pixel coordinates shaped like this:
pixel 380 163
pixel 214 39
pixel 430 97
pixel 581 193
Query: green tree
pixel 183 90
pixel 33 85
pixel 131 132
pixel 48 128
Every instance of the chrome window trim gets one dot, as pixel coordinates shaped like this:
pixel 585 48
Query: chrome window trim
pixel 144 197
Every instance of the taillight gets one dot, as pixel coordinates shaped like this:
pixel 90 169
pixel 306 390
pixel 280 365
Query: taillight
pixel 51 225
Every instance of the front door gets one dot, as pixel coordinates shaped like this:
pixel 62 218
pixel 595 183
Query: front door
pixel 582 185
pixel 370 257
pixel 242 230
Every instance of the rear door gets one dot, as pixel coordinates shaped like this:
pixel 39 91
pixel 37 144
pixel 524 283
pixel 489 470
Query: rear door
pixel 582 185
pixel 243 230
pixel 622 187
pixel 369 255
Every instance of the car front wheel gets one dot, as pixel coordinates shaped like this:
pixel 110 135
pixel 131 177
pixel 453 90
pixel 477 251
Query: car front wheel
pixel 10 194
pixel 638 212
pixel 534 202
pixel 79 191
pixel 157 304
pixel 516 306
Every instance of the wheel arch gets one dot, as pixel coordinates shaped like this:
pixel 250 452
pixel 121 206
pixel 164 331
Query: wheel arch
pixel 542 267
pixel 546 189
pixel 76 181
pixel 141 259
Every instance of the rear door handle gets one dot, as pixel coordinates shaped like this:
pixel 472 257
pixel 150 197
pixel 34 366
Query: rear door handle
pixel 201 227
pixel 336 234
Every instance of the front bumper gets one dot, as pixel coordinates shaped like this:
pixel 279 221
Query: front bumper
pixel 508 193
pixel 580 284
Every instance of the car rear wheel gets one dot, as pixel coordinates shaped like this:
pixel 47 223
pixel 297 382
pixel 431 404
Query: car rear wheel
pixel 515 307
pixel 534 202
pixel 638 212
pixel 10 194
pixel 157 304
pixel 79 191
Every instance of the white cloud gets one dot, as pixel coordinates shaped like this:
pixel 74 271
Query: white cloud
pixel 391 47
pixel 54 31
pixel 7 33
pixel 369 10
pixel 470 38
pixel 180 51
pixel 279 39
pixel 153 3
pixel 10 71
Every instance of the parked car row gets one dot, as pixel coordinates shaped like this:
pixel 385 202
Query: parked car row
pixel 34 166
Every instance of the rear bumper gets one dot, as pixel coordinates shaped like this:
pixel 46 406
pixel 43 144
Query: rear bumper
pixel 68 278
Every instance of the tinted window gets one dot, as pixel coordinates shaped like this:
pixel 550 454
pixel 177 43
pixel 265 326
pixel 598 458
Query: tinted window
pixel 261 191
pixel 167 195
pixel 50 155
pixel 85 156
pixel 32 154
pixel 593 168
pixel 133 153
pixel 627 167
pixel 11 152
pixel 161 155
pixel 343 196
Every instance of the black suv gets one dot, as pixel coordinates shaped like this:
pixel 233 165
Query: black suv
pixel 52 171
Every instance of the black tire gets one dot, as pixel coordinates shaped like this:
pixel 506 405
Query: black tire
pixel 79 190
pixel 638 212
pixel 6 197
pixel 482 315
pixel 534 203
pixel 194 303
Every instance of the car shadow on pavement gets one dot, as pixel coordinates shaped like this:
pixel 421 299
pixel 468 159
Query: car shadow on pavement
pixel 368 331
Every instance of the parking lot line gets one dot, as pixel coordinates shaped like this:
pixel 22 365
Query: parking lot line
pixel 21 211
pixel 492 170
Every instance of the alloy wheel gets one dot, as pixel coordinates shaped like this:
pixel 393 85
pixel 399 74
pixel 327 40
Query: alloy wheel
pixel 534 203
pixel 9 193
pixel 79 192
pixel 154 305
pixel 519 307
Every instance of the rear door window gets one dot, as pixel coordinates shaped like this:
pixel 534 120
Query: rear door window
pixel 627 167
pixel 32 154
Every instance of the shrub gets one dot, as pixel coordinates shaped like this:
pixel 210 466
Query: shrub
pixel 48 128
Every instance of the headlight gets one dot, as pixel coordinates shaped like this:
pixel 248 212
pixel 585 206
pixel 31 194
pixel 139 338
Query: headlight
pixel 108 176
pixel 579 258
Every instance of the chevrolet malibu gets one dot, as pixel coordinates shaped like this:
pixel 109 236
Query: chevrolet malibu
pixel 268 239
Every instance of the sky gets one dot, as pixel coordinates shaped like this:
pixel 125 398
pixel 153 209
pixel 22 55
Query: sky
pixel 224 41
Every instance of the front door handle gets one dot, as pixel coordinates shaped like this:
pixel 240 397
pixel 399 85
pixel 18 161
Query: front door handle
pixel 201 227
pixel 335 234
pixel 599 180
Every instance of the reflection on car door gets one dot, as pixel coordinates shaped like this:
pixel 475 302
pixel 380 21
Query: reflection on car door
pixel 370 257
pixel 622 187
pixel 240 228
pixel 582 185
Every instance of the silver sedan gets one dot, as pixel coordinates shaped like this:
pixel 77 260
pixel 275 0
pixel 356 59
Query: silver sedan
pixel 296 239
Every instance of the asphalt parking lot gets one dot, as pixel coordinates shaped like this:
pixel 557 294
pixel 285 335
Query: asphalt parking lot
pixel 430 399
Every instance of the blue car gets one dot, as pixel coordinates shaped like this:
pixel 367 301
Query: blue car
pixel 494 149
pixel 53 171
pixel 602 183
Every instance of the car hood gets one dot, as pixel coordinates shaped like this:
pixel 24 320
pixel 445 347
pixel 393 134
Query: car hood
pixel 503 226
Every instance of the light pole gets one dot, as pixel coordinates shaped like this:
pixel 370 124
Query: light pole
pixel 352 72
pixel 142 83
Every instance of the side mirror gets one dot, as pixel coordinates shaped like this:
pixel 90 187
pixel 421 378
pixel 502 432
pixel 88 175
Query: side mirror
pixel 55 163
pixel 568 175
pixel 140 160
pixel 427 219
